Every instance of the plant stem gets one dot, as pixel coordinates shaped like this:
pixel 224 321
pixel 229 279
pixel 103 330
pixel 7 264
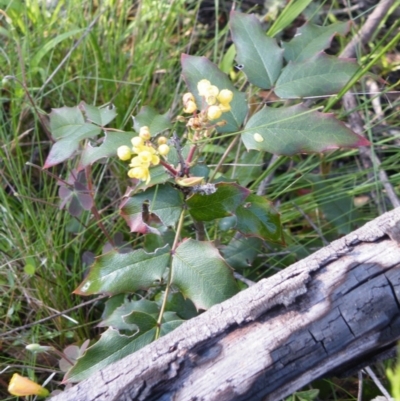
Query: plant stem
pixel 228 149
pixel 169 280
pixel 93 209
pixel 169 168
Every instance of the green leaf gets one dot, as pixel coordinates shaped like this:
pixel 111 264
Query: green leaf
pixel 194 69
pixel 292 10
pixel 226 63
pixel 163 201
pixel 113 272
pixel 150 118
pixel 258 218
pixel 184 307
pixel 221 203
pixel 296 129
pixel 259 55
pixel 123 317
pixel 317 76
pixel 98 115
pixel 201 274
pixel 112 141
pixel 68 128
pixel 111 347
pixel 311 39
pixel 240 253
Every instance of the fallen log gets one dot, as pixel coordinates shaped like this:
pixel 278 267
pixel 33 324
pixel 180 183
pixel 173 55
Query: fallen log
pixel 328 313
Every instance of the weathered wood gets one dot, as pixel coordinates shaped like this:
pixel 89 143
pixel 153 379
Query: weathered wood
pixel 324 314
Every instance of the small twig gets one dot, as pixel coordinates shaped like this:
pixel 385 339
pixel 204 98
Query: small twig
pixel 267 180
pixel 368 29
pixel 360 386
pixel 227 151
pixel 178 146
pixel 94 210
pixel 378 383
pixel 243 279
pixel 27 326
pixel 200 231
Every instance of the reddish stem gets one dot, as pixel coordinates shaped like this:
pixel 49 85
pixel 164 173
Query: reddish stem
pixel 169 168
pixel 190 158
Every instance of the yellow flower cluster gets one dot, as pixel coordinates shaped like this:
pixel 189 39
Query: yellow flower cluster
pixel 144 154
pixel 218 102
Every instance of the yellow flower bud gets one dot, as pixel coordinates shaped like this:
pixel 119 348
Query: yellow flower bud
pixel 163 149
pixel 210 100
pixel 144 133
pixel 202 87
pixel 225 96
pixel 224 107
pixel 124 152
pixel 258 138
pixel 22 386
pixel 213 113
pixel 161 140
pixel 155 160
pixel 137 141
pixel 212 91
pixel 190 107
pixel 188 97
pixel 138 172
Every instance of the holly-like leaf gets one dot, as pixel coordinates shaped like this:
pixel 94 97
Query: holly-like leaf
pixel 240 253
pixel 183 307
pixel 258 218
pixel 68 128
pixel 259 55
pixel 122 317
pixel 164 201
pixel 317 76
pixel 112 141
pixel 98 115
pixel 296 129
pixel 201 274
pixel 150 118
pixel 221 203
pixel 311 39
pixel 114 272
pixel 111 347
pixel 194 69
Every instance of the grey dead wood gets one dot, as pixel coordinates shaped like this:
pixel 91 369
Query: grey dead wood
pixel 329 313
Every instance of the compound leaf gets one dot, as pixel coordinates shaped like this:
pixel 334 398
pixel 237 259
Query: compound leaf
pixel 259 55
pixel 258 218
pixel 221 203
pixel 311 39
pixel 296 129
pixel 163 201
pixel 114 272
pixel 201 274
pixel 317 76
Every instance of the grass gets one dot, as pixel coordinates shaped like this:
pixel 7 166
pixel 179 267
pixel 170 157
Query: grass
pixel 130 57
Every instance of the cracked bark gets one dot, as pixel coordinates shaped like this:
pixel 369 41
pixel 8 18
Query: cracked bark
pixel 327 314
